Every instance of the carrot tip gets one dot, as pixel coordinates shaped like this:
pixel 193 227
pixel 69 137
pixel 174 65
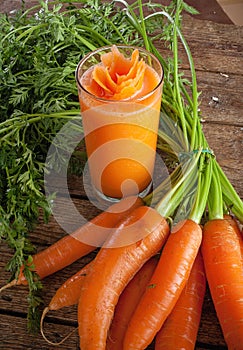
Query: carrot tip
pixel 8 285
pixel 45 311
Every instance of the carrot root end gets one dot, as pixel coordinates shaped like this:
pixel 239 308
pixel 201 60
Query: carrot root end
pixel 45 311
pixel 8 285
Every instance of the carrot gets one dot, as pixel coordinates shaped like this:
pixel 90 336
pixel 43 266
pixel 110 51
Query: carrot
pixel 223 265
pixel 66 295
pixel 236 227
pixel 72 247
pixel 181 327
pixel 127 303
pixel 165 286
pixel 69 292
pixel 135 240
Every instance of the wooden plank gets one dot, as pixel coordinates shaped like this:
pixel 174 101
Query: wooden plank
pixel 221 97
pixel 16 337
pixel 215 47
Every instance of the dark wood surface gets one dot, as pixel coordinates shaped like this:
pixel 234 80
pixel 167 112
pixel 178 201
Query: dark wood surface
pixel 218 55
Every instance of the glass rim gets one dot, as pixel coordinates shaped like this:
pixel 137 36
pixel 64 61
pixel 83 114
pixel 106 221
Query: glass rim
pixel 101 99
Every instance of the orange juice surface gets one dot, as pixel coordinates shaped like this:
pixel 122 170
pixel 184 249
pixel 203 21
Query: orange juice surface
pixel 120 113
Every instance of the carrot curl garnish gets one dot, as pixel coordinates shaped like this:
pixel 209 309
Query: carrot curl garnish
pixel 119 77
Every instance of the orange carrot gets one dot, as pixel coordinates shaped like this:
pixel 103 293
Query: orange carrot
pixel 72 247
pixel 223 266
pixel 165 286
pixel 127 303
pixel 69 292
pixel 66 295
pixel 181 327
pixel 135 241
pixel 236 227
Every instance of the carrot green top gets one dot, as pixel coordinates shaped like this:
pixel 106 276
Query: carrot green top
pixel 118 77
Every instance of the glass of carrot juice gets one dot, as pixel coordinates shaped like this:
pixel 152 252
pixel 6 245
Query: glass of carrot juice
pixel 120 90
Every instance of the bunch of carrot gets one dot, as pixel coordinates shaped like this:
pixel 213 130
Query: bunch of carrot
pixel 222 241
pixel 148 279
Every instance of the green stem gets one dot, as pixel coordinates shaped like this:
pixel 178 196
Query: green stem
pixel 194 91
pixel 86 29
pixel 143 27
pixel 7 131
pixel 85 42
pixel 215 198
pixel 171 200
pixel 232 199
pixel 29 30
pixel 194 104
pixel 176 78
pixel 204 181
pixel 164 186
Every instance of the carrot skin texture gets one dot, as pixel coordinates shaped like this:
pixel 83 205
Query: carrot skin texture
pixel 113 267
pixel 236 227
pixel 181 327
pixel 68 293
pixel 224 271
pixel 72 247
pixel 127 303
pixel 165 286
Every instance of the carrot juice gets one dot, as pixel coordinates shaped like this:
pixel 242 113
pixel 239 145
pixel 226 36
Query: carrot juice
pixel 120 90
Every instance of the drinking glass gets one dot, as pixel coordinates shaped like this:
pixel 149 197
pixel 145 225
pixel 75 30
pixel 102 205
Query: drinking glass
pixel 121 135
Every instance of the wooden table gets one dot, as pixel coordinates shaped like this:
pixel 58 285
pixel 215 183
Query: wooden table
pixel 217 51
